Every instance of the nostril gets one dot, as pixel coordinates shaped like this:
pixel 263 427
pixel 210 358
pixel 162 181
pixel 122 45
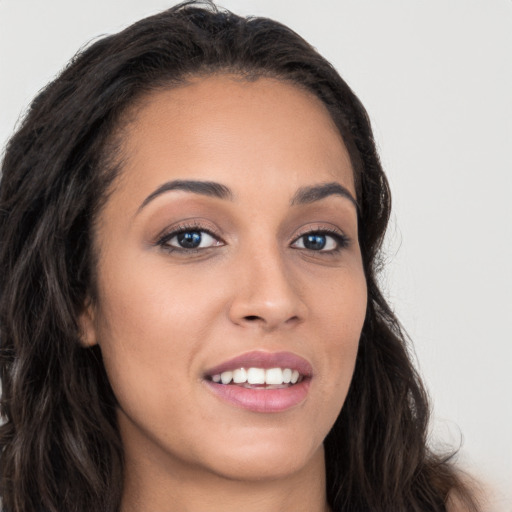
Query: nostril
pixel 252 318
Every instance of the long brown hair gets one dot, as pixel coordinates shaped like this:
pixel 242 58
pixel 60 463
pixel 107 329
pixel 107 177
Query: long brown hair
pixel 60 447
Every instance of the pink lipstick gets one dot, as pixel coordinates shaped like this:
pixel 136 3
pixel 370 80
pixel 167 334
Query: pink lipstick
pixel 261 381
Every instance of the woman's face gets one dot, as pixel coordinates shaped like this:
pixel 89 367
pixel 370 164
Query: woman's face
pixel 228 249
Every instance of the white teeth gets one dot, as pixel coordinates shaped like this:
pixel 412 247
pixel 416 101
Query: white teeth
pixel 226 377
pixel 254 376
pixel 274 376
pixel 240 376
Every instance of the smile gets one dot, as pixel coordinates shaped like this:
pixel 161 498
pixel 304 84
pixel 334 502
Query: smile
pixel 261 381
pixel 259 378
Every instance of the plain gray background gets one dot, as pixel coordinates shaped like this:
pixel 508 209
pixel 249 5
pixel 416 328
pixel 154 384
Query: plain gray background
pixel 436 78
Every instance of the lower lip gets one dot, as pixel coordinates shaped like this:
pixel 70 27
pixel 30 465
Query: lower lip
pixel 262 400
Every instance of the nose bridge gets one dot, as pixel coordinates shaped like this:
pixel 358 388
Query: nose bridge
pixel 266 292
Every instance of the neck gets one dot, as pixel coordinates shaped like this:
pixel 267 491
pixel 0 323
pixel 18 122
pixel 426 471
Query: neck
pixel 190 489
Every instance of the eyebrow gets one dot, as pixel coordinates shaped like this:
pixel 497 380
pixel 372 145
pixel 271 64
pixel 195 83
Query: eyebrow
pixel 205 188
pixel 306 195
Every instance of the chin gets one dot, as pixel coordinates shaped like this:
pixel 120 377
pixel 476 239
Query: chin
pixel 258 461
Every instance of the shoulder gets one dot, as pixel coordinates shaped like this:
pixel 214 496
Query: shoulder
pixel 474 500
pixel 456 503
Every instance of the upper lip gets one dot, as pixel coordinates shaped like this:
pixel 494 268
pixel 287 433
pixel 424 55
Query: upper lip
pixel 262 359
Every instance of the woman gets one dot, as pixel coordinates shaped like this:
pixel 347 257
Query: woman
pixel 191 218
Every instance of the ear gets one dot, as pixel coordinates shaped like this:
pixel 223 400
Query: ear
pixel 87 325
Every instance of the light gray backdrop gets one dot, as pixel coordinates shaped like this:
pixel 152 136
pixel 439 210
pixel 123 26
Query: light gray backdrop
pixel 436 78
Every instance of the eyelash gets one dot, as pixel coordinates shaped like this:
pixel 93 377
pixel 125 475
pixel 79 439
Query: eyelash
pixel 163 241
pixel 341 240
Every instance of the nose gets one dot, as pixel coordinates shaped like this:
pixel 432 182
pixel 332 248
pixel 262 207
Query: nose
pixel 266 292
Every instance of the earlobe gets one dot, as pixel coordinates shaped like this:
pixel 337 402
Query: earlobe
pixel 88 336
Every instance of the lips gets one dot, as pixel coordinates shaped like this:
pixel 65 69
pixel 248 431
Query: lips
pixel 265 360
pixel 261 381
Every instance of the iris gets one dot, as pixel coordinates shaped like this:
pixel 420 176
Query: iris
pixel 189 239
pixel 314 242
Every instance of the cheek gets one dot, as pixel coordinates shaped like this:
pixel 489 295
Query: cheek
pixel 152 321
pixel 341 312
pixel 340 304
pixel 142 301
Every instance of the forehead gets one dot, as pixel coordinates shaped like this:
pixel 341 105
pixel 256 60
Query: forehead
pixel 227 129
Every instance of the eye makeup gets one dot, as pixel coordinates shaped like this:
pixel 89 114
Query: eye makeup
pixel 189 237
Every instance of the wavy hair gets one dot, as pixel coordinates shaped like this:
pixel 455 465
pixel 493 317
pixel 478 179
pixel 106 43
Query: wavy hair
pixel 60 446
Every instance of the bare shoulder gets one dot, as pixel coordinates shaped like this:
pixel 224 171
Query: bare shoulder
pixel 478 501
pixel 456 503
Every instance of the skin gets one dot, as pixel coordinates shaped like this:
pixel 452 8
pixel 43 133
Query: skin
pixel 163 317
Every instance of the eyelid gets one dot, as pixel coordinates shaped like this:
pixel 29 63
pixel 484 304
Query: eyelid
pixel 170 232
pixel 184 226
pixel 341 238
pixel 319 228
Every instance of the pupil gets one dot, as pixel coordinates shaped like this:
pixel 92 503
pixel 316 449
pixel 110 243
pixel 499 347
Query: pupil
pixel 189 239
pixel 315 242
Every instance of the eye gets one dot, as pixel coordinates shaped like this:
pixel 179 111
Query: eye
pixel 189 240
pixel 320 241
